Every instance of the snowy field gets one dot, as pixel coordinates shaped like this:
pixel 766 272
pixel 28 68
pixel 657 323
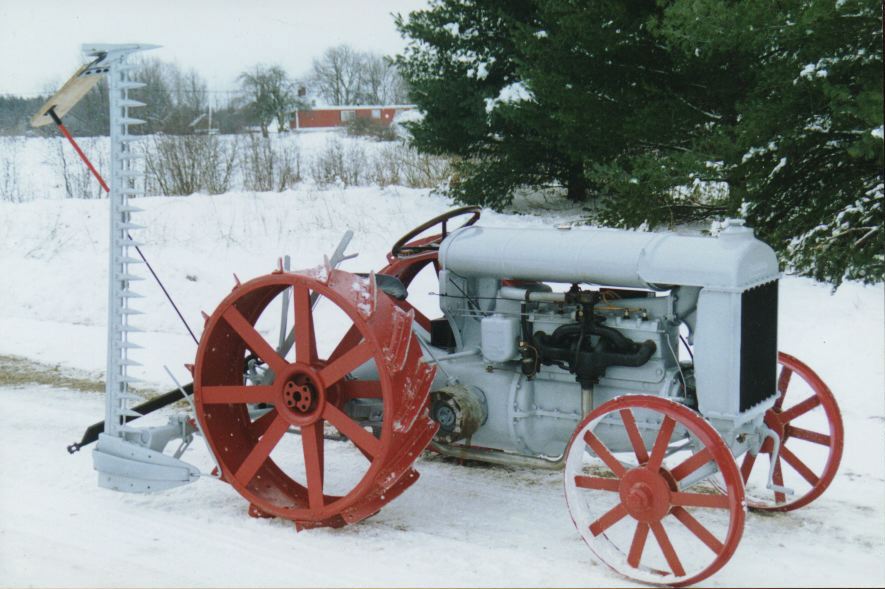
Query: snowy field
pixel 470 526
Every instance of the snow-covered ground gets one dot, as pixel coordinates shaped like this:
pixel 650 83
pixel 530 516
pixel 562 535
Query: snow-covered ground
pixel 469 526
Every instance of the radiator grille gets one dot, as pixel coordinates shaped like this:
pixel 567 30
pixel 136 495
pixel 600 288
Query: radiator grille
pixel 758 344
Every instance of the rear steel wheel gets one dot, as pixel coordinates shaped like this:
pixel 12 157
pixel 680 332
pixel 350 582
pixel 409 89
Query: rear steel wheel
pixel 308 392
pixel 640 499
pixel 807 419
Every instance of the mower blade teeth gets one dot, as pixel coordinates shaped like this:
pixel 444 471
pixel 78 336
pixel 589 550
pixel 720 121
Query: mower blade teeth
pixel 128 277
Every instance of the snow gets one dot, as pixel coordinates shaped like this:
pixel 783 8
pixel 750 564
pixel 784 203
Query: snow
pixel 812 70
pixel 458 526
pixel 780 165
pixel 511 93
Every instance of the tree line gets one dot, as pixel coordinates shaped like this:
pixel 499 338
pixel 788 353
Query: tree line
pixel 180 101
pixel 665 112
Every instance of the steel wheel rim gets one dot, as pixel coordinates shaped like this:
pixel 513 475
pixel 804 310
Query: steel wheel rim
pixel 263 290
pixel 649 528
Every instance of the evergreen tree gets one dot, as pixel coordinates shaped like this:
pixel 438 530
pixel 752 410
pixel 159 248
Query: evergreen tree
pixel 551 92
pixel 804 158
pixel 667 112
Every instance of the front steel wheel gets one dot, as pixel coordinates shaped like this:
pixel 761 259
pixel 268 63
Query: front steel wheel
pixel 642 501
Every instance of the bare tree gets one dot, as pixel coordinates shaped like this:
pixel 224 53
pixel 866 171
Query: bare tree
pixel 174 98
pixel 271 95
pixel 338 75
pixel 381 82
pixel 344 76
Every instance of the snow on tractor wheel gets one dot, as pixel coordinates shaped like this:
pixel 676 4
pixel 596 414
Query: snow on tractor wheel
pixel 643 502
pixel 248 396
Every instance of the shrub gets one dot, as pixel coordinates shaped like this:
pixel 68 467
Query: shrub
pixel 78 179
pixel 270 165
pixel 338 163
pixel 369 127
pixel 179 165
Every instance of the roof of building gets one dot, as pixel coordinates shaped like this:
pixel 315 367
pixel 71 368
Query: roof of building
pixel 359 107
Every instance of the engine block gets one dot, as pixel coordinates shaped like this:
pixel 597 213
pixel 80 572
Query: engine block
pixel 544 325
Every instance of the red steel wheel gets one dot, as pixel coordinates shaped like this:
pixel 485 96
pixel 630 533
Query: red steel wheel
pixel 636 486
pixel 256 457
pixel 809 425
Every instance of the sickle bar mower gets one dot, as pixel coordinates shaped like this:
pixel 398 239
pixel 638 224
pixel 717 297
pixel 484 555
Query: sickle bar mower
pixel 644 365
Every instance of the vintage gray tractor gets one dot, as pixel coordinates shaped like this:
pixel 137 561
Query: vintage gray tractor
pixel 556 348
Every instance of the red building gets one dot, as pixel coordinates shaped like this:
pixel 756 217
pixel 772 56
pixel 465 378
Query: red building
pixel 336 116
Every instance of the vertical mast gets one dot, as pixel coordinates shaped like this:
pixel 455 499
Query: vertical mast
pixel 125 180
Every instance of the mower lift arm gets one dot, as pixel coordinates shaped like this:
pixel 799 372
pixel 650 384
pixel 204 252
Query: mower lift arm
pixel 164 400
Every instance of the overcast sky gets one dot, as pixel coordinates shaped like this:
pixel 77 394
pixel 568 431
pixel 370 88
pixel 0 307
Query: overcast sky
pixel 40 39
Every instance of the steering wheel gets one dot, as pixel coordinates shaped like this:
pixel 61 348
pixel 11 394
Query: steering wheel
pixel 403 248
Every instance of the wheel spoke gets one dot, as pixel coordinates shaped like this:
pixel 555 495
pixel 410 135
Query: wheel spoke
pixel 808 435
pixel 699 500
pixel 349 361
pixel 358 389
pixel 799 409
pixel 365 441
pixel 635 437
pixel 799 466
pixel 777 478
pixel 258 427
pixel 350 339
pixel 254 340
pixel 783 383
pixel 667 548
pixel 260 452
pixel 691 464
pixel 696 528
pixel 603 453
pixel 223 394
pixel 312 445
pixel 597 483
pixel 661 443
pixel 610 518
pixel 637 545
pixel 305 338
pixel 747 466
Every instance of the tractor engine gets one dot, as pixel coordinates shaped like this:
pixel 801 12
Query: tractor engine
pixel 541 326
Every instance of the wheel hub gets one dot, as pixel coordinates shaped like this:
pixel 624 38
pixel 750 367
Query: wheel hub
pixel 639 498
pixel 299 398
pixel 645 494
pixel 302 397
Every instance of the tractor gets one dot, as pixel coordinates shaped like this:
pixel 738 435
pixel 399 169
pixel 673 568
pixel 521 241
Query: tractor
pixel 555 348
